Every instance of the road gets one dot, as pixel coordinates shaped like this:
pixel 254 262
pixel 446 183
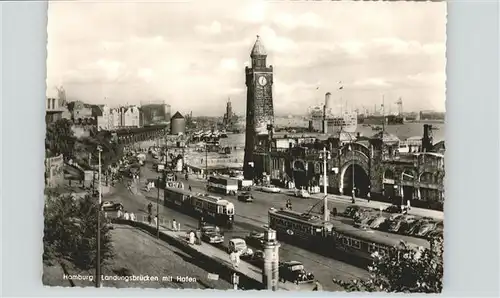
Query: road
pixel 249 217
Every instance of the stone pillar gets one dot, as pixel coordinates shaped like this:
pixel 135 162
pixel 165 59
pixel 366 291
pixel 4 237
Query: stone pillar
pixel 270 272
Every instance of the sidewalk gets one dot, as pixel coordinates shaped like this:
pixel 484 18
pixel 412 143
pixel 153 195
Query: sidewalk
pixel 376 205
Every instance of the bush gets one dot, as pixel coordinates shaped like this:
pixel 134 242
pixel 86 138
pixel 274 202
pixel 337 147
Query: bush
pixel 404 270
pixel 70 230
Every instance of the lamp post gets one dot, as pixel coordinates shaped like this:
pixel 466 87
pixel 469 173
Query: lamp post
pixel 325 156
pixel 98 259
pixel 353 184
pixel 158 209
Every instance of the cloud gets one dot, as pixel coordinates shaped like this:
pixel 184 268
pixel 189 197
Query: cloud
pixel 274 42
pixel 133 51
pixel 229 64
pixel 307 19
pixel 145 74
pixel 372 82
pixel 214 28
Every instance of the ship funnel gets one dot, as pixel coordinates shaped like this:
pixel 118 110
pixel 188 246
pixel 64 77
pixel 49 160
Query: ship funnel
pixel 328 101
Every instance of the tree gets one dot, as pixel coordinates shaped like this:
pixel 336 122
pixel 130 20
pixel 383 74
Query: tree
pixel 60 139
pixel 70 231
pixel 403 270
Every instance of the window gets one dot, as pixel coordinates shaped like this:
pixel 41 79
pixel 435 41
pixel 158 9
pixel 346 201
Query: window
pixel 346 241
pixel 355 243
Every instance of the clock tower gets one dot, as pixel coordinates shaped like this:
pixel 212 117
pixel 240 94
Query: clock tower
pixel 260 111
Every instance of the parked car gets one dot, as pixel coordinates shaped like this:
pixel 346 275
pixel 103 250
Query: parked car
pixel 240 246
pixel 294 271
pixel 257 259
pixel 255 239
pixel 245 197
pixel 270 188
pixel 211 234
pixel 302 193
pixel 395 209
pixel 350 211
pixel 111 206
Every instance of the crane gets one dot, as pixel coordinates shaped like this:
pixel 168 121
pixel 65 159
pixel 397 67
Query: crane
pixel 400 106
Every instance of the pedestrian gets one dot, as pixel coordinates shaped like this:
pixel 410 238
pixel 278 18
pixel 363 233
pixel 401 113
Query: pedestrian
pixel 156 220
pixel 149 218
pixel 119 213
pixel 126 216
pixel 190 189
pixel 174 225
pixel 132 216
pixel 150 208
pixel 334 211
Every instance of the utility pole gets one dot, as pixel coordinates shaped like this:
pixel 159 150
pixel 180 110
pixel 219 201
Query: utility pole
pixel 158 209
pixel 98 259
pixel 325 181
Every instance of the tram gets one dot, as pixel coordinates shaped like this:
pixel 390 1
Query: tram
pixel 213 209
pixel 332 237
pixel 300 228
pixel 363 243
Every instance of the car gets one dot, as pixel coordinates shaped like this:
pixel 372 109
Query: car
pixel 257 259
pixel 270 188
pixel 294 271
pixel 302 193
pixel 111 206
pixel 255 239
pixel 211 234
pixel 240 246
pixel 395 209
pixel 245 197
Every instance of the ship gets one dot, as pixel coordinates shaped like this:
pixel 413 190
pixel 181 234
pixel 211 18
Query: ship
pixel 346 121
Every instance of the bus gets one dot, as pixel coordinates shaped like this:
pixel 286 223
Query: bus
pixel 223 185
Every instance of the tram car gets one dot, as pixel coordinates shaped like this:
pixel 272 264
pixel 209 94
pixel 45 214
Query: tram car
pixel 300 228
pixel 213 209
pixel 362 243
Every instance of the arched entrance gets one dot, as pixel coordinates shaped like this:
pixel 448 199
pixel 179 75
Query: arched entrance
pixel 360 178
pixel 300 174
pixel 408 190
pixel 390 187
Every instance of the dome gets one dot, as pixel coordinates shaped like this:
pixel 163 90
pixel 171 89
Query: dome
pixel 177 116
pixel 386 137
pixel 258 48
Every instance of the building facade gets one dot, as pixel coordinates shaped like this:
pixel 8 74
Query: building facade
pixel 373 169
pixel 259 111
pixel 131 116
pixel 102 114
pixel 55 109
pixel 81 113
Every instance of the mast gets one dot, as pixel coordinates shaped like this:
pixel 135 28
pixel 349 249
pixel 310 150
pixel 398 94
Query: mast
pixel 383 115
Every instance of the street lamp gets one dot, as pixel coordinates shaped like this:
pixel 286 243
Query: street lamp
pixel 325 157
pixel 99 207
pixel 158 209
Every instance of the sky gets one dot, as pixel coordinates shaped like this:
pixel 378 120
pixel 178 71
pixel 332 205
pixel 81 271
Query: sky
pixel 192 54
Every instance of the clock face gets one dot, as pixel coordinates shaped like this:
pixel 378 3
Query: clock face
pixel 262 81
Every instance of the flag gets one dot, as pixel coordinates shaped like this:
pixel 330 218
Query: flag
pixel 341 87
pixel 317 88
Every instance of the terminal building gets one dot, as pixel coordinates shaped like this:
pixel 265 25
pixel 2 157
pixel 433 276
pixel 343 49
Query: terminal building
pixel 374 167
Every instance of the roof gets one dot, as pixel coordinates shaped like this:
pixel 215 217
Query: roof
pixel 344 136
pixel 258 48
pixel 385 137
pixel 177 115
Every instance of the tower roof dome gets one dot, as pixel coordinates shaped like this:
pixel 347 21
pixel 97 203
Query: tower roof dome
pixel 258 48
